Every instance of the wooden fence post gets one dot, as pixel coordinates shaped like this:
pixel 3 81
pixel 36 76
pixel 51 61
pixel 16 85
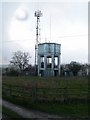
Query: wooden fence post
pixel 34 92
pixel 10 90
pixel 22 94
pixel 65 95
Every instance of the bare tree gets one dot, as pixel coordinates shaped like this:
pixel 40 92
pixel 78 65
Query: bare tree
pixel 20 60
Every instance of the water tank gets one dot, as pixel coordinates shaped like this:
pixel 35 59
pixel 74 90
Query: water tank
pixel 49 59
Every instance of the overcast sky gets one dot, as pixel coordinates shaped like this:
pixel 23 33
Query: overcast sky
pixel 65 23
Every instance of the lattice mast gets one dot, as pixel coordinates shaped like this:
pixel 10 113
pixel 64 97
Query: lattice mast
pixel 37 14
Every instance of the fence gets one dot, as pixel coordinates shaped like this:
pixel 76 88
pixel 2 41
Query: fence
pixel 44 94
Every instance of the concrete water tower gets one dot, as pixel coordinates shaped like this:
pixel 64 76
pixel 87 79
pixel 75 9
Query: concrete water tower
pixel 49 59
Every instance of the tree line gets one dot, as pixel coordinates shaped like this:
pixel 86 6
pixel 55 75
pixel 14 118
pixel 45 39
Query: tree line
pixel 19 65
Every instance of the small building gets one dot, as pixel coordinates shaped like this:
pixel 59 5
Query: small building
pixel 49 59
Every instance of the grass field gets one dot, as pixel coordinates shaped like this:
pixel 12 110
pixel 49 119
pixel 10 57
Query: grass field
pixel 74 85
pixel 70 82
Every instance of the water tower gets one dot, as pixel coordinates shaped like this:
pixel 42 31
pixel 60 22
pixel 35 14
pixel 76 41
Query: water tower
pixel 49 59
pixel 47 55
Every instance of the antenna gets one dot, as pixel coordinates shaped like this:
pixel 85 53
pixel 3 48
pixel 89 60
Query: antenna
pixel 50 27
pixel 37 14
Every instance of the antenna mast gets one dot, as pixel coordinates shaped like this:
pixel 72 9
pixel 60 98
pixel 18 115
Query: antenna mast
pixel 37 14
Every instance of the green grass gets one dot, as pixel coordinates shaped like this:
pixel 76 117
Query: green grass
pixel 61 109
pixel 70 109
pixel 9 113
pixel 0 108
pixel 70 82
pixel 65 109
pixel 74 85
